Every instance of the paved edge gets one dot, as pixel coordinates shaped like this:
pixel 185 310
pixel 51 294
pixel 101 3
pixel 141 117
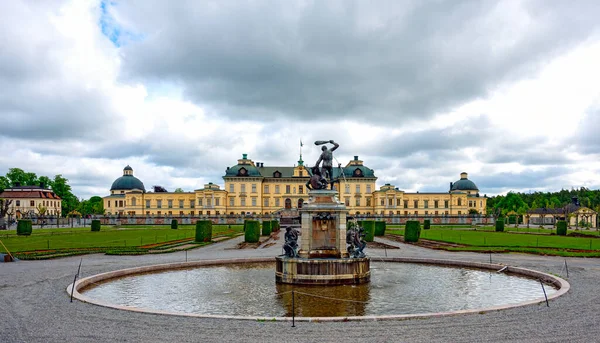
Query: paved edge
pixel 562 285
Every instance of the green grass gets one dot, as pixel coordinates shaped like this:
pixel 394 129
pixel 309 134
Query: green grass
pixel 487 240
pixel 107 238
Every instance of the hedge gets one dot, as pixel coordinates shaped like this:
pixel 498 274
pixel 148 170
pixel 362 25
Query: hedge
pixel 561 228
pixel 412 231
pixel 266 228
pixel 426 224
pixel 369 227
pixel 174 224
pixel 275 225
pixel 203 231
pixel 252 231
pixel 500 225
pixel 24 227
pixel 96 225
pixel 379 228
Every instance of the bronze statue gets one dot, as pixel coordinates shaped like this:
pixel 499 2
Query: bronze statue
pixel 327 159
pixel 316 181
pixel 354 237
pixel 290 247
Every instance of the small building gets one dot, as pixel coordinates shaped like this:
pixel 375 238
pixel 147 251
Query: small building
pixel 32 201
pixel 575 214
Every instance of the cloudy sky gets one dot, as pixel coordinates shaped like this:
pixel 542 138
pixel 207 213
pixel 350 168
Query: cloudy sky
pixel 508 91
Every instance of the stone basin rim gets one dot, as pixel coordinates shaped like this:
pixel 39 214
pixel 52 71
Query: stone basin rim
pixel 562 287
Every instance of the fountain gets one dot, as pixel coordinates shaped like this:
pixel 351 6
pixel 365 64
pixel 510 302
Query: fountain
pixel 322 257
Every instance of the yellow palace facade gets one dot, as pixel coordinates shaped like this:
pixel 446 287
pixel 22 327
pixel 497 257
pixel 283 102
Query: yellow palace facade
pixel 253 188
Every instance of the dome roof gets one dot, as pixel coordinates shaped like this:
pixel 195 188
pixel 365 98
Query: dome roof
pixel 127 182
pixel 242 170
pixel 464 184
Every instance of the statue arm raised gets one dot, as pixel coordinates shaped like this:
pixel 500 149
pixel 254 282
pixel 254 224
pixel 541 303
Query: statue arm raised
pixel 335 145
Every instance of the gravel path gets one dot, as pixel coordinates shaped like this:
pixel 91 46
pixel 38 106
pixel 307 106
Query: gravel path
pixel 35 307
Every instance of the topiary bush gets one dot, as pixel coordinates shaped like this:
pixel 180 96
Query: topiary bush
pixel 275 225
pixel 369 227
pixel 561 228
pixel 412 232
pixel 252 231
pixel 96 225
pixel 500 225
pixel 203 231
pixel 379 228
pixel 266 228
pixel 174 224
pixel 24 227
pixel 426 224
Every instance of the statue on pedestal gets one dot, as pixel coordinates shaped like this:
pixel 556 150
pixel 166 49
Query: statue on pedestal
pixel 327 159
pixel 290 247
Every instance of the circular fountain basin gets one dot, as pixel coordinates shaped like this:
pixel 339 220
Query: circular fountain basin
pixel 246 289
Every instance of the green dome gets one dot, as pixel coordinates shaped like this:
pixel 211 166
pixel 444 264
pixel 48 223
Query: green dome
pixel 249 170
pixel 127 182
pixel 464 184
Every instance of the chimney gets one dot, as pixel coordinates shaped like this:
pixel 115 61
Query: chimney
pixel 463 175
pixel 17 184
pixel 356 158
pixel 244 156
pixel 42 185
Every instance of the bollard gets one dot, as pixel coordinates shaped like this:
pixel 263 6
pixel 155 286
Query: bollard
pixel 293 311
pixel 545 296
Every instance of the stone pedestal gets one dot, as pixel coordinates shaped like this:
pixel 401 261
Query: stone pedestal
pixel 322 271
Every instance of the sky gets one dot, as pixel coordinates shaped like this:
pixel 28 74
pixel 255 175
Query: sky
pixel 508 91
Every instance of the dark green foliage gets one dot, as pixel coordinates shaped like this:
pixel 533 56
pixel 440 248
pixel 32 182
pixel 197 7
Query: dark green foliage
pixel 379 228
pixel 275 225
pixel 174 224
pixel 24 227
pixel 500 225
pixel 412 231
pixel 96 225
pixel 369 227
pixel 561 228
pixel 512 219
pixel 252 231
pixel 266 228
pixel 203 231
pixel 426 224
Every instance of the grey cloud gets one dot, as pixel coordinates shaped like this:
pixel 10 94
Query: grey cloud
pixel 311 60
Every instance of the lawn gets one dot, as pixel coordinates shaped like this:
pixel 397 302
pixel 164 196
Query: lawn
pixel 107 237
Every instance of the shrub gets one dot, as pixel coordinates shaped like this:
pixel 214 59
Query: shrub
pixel 252 231
pixel 174 224
pixel 96 225
pixel 275 225
pixel 203 231
pixel 369 227
pixel 561 228
pixel 24 227
pixel 379 228
pixel 426 224
pixel 266 228
pixel 412 232
pixel 512 219
pixel 500 225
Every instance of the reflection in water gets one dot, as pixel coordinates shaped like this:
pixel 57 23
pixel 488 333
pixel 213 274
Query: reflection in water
pixel 250 290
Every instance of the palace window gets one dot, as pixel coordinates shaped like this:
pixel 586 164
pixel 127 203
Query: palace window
pixel 347 189
pixel 405 203
pixel 459 213
pixel 32 203
pixel 253 188
pixel 170 213
pixel 181 204
pixel 170 203
pixel 147 203
pixel 191 213
pixel 253 201
pixel 357 202
pixel 368 189
pixel 382 202
pixel 158 203
pixel 277 202
pixel 181 213
pixel 435 203
pixel 368 202
pixel 133 201
pixel 416 203
pixel 243 201
pixel 301 189
pixel 446 204
pixel 416 213
pixel 231 188
pixel 266 202
pixel 192 204
pixel 347 201
pixel 243 188
pixel 390 202
pixel 436 213
pixel 357 189
pixel 459 202
pixel 398 202
pixel 19 203
pixel 199 202
pixel 217 201
pixel 426 203
pixel 266 189
pixel 231 201
pixel 209 202
pixel 276 189
pixel 287 189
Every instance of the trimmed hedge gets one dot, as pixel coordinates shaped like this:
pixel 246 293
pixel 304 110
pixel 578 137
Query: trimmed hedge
pixel 426 224
pixel 96 225
pixel 174 224
pixel 275 225
pixel 24 227
pixel 266 228
pixel 369 227
pixel 412 231
pixel 203 231
pixel 380 228
pixel 561 228
pixel 252 231
pixel 500 225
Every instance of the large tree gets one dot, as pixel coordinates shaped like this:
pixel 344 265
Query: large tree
pixel 61 187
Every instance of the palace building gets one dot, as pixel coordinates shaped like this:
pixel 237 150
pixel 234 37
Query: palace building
pixel 253 188
pixel 32 200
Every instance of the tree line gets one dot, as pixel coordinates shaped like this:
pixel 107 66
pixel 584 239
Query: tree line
pixel 59 185
pixel 522 202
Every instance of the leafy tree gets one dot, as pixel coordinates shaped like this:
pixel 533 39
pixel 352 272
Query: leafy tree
pixel 510 203
pixel 16 175
pixel 178 190
pixel 63 190
pixel 4 208
pixel 4 183
pixel 95 205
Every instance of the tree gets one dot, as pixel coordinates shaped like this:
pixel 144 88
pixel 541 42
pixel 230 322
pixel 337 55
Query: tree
pixel 4 183
pixel 510 203
pixel 178 190
pixel 63 190
pixel 18 176
pixel 4 208
pixel 95 205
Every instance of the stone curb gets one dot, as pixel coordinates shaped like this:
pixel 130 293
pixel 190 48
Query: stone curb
pixel 562 285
